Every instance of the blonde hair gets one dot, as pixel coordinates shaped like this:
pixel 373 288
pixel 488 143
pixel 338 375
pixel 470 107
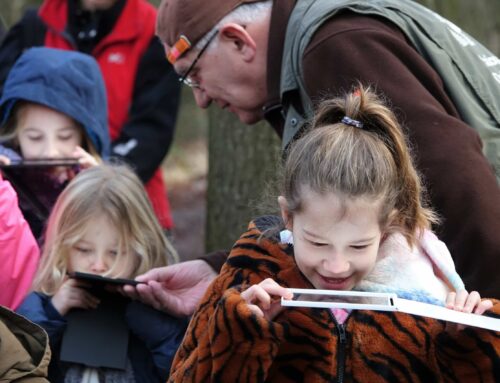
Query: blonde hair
pixel 9 131
pixel 117 193
pixel 370 161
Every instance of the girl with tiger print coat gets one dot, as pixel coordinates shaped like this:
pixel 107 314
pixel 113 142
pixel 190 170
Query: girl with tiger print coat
pixel 349 189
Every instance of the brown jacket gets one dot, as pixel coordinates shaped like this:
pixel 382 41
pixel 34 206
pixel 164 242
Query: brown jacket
pixel 461 184
pixel 226 342
pixel 24 349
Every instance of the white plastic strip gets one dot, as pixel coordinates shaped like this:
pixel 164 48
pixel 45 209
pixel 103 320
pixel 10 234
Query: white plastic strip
pixel 358 300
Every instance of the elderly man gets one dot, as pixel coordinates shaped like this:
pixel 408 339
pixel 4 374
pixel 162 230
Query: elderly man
pixel 275 59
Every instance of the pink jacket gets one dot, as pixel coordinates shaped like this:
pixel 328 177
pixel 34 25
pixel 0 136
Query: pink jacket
pixel 19 252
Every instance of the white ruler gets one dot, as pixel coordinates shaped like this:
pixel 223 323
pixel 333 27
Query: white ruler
pixel 358 300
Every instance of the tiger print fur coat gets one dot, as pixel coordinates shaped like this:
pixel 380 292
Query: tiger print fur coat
pixel 225 342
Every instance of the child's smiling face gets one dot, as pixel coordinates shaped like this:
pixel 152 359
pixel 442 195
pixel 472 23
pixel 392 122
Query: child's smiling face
pixel 97 251
pixel 335 242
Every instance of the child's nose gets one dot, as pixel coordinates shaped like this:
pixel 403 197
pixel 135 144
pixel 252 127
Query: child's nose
pixel 99 265
pixel 51 150
pixel 336 265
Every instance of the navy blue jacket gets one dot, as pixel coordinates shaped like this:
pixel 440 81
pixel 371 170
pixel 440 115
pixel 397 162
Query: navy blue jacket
pixel 68 82
pixel 154 338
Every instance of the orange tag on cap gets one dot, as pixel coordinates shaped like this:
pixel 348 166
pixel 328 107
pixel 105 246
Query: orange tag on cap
pixel 181 46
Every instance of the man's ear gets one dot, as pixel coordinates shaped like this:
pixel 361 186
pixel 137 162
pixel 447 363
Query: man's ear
pixel 240 39
pixel 285 213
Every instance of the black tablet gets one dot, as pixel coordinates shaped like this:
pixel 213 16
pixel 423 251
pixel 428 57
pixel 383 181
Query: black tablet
pixel 37 163
pixel 100 280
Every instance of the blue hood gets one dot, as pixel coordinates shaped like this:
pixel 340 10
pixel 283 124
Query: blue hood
pixel 66 81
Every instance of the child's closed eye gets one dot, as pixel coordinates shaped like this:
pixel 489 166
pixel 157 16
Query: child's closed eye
pixel 35 138
pixel 318 244
pixel 66 137
pixel 359 247
pixel 83 250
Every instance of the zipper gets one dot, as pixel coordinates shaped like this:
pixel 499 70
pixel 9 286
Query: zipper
pixel 341 347
pixel 341 352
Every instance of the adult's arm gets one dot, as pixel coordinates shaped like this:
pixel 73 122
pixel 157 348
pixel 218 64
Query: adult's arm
pixel 461 183
pixel 146 136
pixel 215 259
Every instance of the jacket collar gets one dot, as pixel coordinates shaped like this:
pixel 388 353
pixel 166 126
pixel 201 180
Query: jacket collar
pixel 128 26
pixel 280 14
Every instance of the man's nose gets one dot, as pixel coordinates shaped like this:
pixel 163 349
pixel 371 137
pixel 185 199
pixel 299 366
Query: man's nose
pixel 201 98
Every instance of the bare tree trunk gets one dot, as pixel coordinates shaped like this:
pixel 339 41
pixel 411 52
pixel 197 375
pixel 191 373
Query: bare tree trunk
pixel 241 161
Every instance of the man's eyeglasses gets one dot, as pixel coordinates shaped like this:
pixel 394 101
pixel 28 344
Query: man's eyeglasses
pixel 185 77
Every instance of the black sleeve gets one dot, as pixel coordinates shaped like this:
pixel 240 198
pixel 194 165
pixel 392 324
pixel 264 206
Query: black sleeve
pixel 28 32
pixel 215 259
pixel 152 115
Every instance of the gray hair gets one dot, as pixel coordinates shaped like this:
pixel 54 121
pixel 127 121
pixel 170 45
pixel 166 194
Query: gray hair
pixel 243 14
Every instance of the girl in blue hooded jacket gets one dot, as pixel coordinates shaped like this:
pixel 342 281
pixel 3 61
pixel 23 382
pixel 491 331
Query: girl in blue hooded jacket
pixel 53 107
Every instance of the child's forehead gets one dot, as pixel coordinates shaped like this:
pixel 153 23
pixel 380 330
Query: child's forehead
pixel 101 225
pixel 338 200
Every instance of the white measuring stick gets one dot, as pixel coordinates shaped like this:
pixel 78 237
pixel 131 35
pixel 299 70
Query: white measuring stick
pixel 359 300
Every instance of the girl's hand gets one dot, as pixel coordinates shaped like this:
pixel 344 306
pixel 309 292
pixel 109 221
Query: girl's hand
pixel 4 160
pixel 467 303
pixel 259 298
pixel 85 159
pixel 73 295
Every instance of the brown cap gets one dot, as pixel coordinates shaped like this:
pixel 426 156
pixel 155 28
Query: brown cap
pixel 182 23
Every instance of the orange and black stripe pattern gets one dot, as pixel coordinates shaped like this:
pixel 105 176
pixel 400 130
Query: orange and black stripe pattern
pixel 225 342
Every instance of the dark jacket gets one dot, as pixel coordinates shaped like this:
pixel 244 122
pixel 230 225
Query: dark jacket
pixel 24 349
pixel 143 94
pixel 154 338
pixel 461 184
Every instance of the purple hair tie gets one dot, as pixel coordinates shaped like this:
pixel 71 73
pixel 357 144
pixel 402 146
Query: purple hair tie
pixel 349 121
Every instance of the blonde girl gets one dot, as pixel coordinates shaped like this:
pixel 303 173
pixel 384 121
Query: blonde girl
pixel 103 224
pixel 115 193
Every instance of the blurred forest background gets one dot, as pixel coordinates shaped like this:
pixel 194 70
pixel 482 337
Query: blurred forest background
pixel 218 171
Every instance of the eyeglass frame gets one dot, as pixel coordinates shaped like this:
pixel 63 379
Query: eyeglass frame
pixel 185 77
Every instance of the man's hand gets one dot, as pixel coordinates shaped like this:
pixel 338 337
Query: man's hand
pixel 4 160
pixel 175 289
